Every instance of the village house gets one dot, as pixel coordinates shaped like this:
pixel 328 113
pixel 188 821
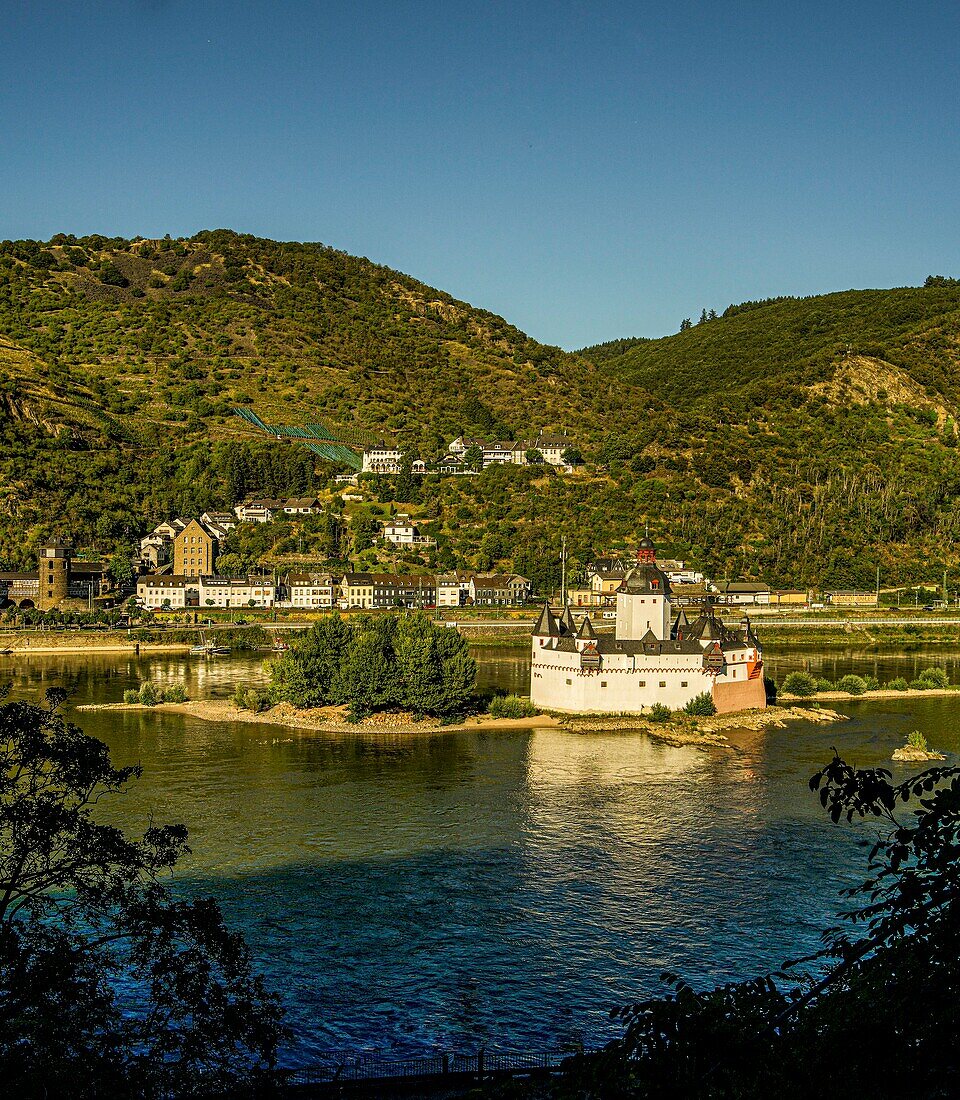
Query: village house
pixel 311 590
pixel 401 531
pixel 236 592
pixel 302 506
pixel 167 591
pixel 738 593
pixel 453 589
pixel 499 589
pixel 219 524
pixel 156 548
pixel 415 590
pixel 194 551
pixel 505 452
pixel 356 590
pixel 261 510
pixel 551 445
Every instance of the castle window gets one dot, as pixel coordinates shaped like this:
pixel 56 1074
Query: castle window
pixel 569 681
pixel 603 683
pixel 663 683
pixel 683 683
pixel 642 684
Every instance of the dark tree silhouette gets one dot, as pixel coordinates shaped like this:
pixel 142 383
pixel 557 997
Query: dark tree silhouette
pixel 84 912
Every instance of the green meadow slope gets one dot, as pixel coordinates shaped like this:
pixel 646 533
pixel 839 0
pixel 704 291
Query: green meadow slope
pixel 804 441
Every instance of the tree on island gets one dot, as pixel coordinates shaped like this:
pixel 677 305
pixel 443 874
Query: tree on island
pixel 876 1014
pixel 380 662
pixel 110 985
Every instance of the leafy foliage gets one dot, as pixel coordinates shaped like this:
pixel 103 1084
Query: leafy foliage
pixel 701 705
pixel 512 706
pixel 801 684
pixel 852 684
pixel 84 913
pixel 379 662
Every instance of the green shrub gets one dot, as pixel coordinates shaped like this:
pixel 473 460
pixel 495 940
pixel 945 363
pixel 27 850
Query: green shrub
pixel 936 677
pixel 823 684
pixel 852 685
pixel 257 701
pixel 511 706
pixel 176 693
pixel 916 740
pixel 149 695
pixel 873 684
pixel 245 698
pixel 131 695
pixel 920 684
pixel 659 713
pixel 801 684
pixel 898 684
pixel 701 705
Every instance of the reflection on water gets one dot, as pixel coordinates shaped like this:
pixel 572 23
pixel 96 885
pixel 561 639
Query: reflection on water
pixel 509 887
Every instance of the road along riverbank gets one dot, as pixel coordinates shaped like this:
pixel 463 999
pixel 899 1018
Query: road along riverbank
pixel 681 730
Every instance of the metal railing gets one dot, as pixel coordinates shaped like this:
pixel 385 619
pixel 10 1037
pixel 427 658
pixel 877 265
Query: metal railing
pixel 343 1066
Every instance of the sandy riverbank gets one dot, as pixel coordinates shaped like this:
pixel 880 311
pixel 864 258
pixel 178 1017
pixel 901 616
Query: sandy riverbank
pixel 679 731
pixel 45 647
pixel 881 693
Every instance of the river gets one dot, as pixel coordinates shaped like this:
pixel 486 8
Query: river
pixel 507 888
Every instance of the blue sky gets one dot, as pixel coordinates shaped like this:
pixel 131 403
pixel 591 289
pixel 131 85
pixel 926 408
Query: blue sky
pixel 588 170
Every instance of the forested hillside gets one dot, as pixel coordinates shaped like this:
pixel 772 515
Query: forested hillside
pixel 801 441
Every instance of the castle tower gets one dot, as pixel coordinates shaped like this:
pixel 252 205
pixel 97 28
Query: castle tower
pixel 643 604
pixel 646 552
pixel 53 568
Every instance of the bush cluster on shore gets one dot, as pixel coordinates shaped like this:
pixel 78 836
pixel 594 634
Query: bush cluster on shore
pixel 377 663
pixel 150 694
pixel 512 706
pixel 803 685
pixel 247 698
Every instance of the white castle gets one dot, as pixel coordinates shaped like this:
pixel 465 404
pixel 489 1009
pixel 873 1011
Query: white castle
pixel 652 657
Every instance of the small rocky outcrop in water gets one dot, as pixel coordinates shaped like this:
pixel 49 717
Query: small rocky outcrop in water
pixel 916 750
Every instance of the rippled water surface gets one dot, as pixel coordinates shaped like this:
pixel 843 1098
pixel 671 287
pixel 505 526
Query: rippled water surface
pixel 411 892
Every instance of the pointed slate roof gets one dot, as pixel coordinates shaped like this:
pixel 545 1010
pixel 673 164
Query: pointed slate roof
pixel 748 633
pixel 586 631
pixel 681 622
pixel 546 625
pixel 566 621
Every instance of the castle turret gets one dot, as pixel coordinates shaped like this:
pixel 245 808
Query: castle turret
pixel 53 569
pixel 546 626
pixel 643 603
pixel 646 552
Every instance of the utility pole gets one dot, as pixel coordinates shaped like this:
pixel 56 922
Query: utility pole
pixel 563 571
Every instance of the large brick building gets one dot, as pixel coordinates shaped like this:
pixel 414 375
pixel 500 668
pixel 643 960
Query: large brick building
pixel 194 551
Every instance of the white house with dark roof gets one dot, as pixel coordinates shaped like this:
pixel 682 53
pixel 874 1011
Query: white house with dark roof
pixel 654 656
